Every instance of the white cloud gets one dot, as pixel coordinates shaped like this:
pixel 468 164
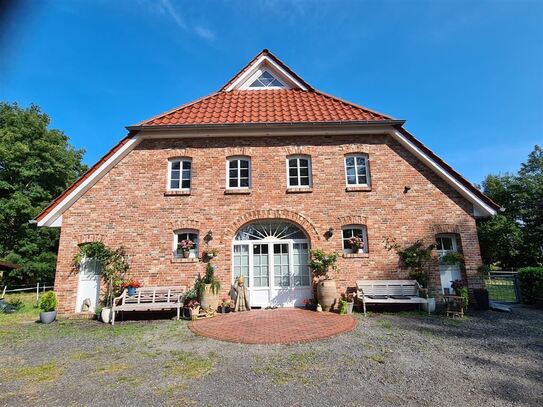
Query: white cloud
pixel 204 32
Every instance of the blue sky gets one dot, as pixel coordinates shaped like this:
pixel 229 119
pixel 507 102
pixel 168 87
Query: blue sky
pixel 466 75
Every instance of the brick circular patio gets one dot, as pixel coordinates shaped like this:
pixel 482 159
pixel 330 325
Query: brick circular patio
pixel 279 326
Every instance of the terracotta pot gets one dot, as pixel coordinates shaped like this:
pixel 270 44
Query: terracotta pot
pixel 326 293
pixel 209 299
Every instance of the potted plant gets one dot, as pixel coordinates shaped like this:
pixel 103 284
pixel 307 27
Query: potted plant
pixel 189 295
pixel 321 263
pixel 48 306
pixel 348 299
pixel 226 305
pixel 460 289
pixel 451 258
pixel 208 288
pixel 194 308
pixel 131 287
pixel 186 246
pixel 357 244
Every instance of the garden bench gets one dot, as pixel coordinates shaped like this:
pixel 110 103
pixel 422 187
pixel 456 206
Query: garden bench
pixel 389 292
pixel 149 299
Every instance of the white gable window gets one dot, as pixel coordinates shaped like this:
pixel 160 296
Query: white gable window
pixel 357 170
pixel 355 239
pixel 299 171
pixel 239 172
pixel 180 174
pixel 185 243
pixel 266 80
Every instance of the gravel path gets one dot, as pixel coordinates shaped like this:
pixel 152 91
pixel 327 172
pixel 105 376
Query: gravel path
pixel 490 359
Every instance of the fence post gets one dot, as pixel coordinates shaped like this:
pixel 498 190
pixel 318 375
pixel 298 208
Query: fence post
pixel 518 293
pixel 37 294
pixel 4 292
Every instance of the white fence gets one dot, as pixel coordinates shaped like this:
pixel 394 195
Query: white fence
pixel 39 287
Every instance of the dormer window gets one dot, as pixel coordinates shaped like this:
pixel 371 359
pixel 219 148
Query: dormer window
pixel 266 80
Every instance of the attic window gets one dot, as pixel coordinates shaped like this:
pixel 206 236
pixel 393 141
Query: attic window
pixel 266 80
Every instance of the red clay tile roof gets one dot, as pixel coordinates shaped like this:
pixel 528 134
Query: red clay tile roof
pixel 265 106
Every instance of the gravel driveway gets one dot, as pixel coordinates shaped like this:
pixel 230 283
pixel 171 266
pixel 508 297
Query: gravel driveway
pixel 487 359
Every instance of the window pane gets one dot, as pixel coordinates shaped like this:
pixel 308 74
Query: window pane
pixel 349 161
pixel 304 181
pixel 233 163
pixel 233 174
pixel 174 184
pixel 244 173
pixel 351 179
pixel 361 170
pixel 186 165
pixel 347 233
pixel 304 162
pixel 293 181
pixel 350 171
pixel 175 174
pixel 244 182
pixel 362 179
pixel 293 162
pixel 360 161
pixel 175 165
pixel 186 174
pixel 185 183
pixel 244 164
pixel 304 172
pixel 233 183
pixel 293 172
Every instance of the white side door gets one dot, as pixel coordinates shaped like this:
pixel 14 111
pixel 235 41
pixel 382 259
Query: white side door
pixel 448 272
pixel 89 284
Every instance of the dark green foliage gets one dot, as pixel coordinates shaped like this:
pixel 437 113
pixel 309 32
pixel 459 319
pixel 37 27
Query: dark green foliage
pixel 514 238
pixel 48 301
pixel 209 278
pixel 321 262
pixel 36 165
pixel 531 284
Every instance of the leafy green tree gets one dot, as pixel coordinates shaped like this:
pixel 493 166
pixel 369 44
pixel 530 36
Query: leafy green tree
pixel 514 238
pixel 36 165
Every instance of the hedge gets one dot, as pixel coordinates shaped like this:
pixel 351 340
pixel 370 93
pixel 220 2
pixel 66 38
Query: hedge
pixel 531 284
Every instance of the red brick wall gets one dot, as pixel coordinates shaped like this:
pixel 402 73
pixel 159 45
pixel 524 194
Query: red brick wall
pixel 128 207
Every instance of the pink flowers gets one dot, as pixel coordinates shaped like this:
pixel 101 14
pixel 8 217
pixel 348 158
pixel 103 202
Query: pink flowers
pixel 186 244
pixel 356 243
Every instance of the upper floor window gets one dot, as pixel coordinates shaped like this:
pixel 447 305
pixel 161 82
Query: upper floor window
pixel 299 171
pixel 185 243
pixel 266 80
pixel 356 170
pixel 239 172
pixel 180 173
pixel 355 239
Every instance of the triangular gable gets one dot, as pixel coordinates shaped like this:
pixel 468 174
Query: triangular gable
pixel 265 61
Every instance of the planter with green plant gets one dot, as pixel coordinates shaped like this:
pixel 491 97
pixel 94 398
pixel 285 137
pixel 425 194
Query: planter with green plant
pixel 114 268
pixel 322 263
pixel 48 306
pixel 208 288
pixel 460 289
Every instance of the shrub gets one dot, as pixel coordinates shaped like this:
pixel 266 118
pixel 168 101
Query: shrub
pixel 48 301
pixel 531 284
pixel 321 262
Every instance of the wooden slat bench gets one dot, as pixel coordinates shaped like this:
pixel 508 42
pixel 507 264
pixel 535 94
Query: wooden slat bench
pixel 389 292
pixel 149 299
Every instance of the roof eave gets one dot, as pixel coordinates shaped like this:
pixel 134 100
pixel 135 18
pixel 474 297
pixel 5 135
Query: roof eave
pixel 266 125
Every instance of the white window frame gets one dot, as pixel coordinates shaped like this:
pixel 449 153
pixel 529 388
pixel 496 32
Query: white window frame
pixel 368 177
pixel 194 252
pixel 238 158
pixel 180 160
pixel 364 229
pixel 309 167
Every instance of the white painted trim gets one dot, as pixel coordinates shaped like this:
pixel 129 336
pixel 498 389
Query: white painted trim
pixel 309 169
pixel 243 78
pixel 58 210
pixel 364 236
pixel 227 177
pixel 247 84
pixel 169 177
pixel 445 175
pixel 368 177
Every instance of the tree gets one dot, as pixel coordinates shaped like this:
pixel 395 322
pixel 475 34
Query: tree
pixel 514 238
pixel 36 165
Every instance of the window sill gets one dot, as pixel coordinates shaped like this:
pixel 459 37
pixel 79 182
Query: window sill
pixel 177 192
pixel 359 188
pixel 295 190
pixel 185 260
pixel 237 191
pixel 356 255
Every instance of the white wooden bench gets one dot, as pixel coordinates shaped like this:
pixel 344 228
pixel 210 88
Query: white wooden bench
pixel 149 299
pixel 389 292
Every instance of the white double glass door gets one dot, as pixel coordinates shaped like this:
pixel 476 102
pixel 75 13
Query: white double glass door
pixel 276 272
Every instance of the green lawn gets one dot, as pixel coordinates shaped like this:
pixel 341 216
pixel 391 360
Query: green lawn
pixel 29 312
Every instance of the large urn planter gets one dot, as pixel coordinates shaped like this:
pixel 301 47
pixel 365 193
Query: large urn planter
pixel 105 315
pixel 209 299
pixel 326 293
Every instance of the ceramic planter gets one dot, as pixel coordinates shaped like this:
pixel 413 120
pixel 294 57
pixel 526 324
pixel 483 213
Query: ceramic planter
pixel 209 299
pixel 326 293
pixel 105 315
pixel 350 306
pixel 131 291
pixel 46 317
pixel 430 306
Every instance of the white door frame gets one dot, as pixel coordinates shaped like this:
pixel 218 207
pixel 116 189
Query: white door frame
pixel 256 294
pixel 88 285
pixel 448 272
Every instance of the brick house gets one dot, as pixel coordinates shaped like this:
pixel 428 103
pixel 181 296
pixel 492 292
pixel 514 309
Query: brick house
pixel 263 170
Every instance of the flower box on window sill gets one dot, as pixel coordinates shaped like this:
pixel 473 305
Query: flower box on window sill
pixel 356 255
pixel 176 259
pixel 358 188
pixel 175 192
pixel 299 190
pixel 237 191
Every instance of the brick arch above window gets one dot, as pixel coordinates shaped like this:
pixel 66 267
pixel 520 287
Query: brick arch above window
pixel 179 153
pixel 284 214
pixel 356 148
pixel 353 220
pixel 238 151
pixel 180 224
pixel 89 238
pixel 446 228
pixel 299 150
